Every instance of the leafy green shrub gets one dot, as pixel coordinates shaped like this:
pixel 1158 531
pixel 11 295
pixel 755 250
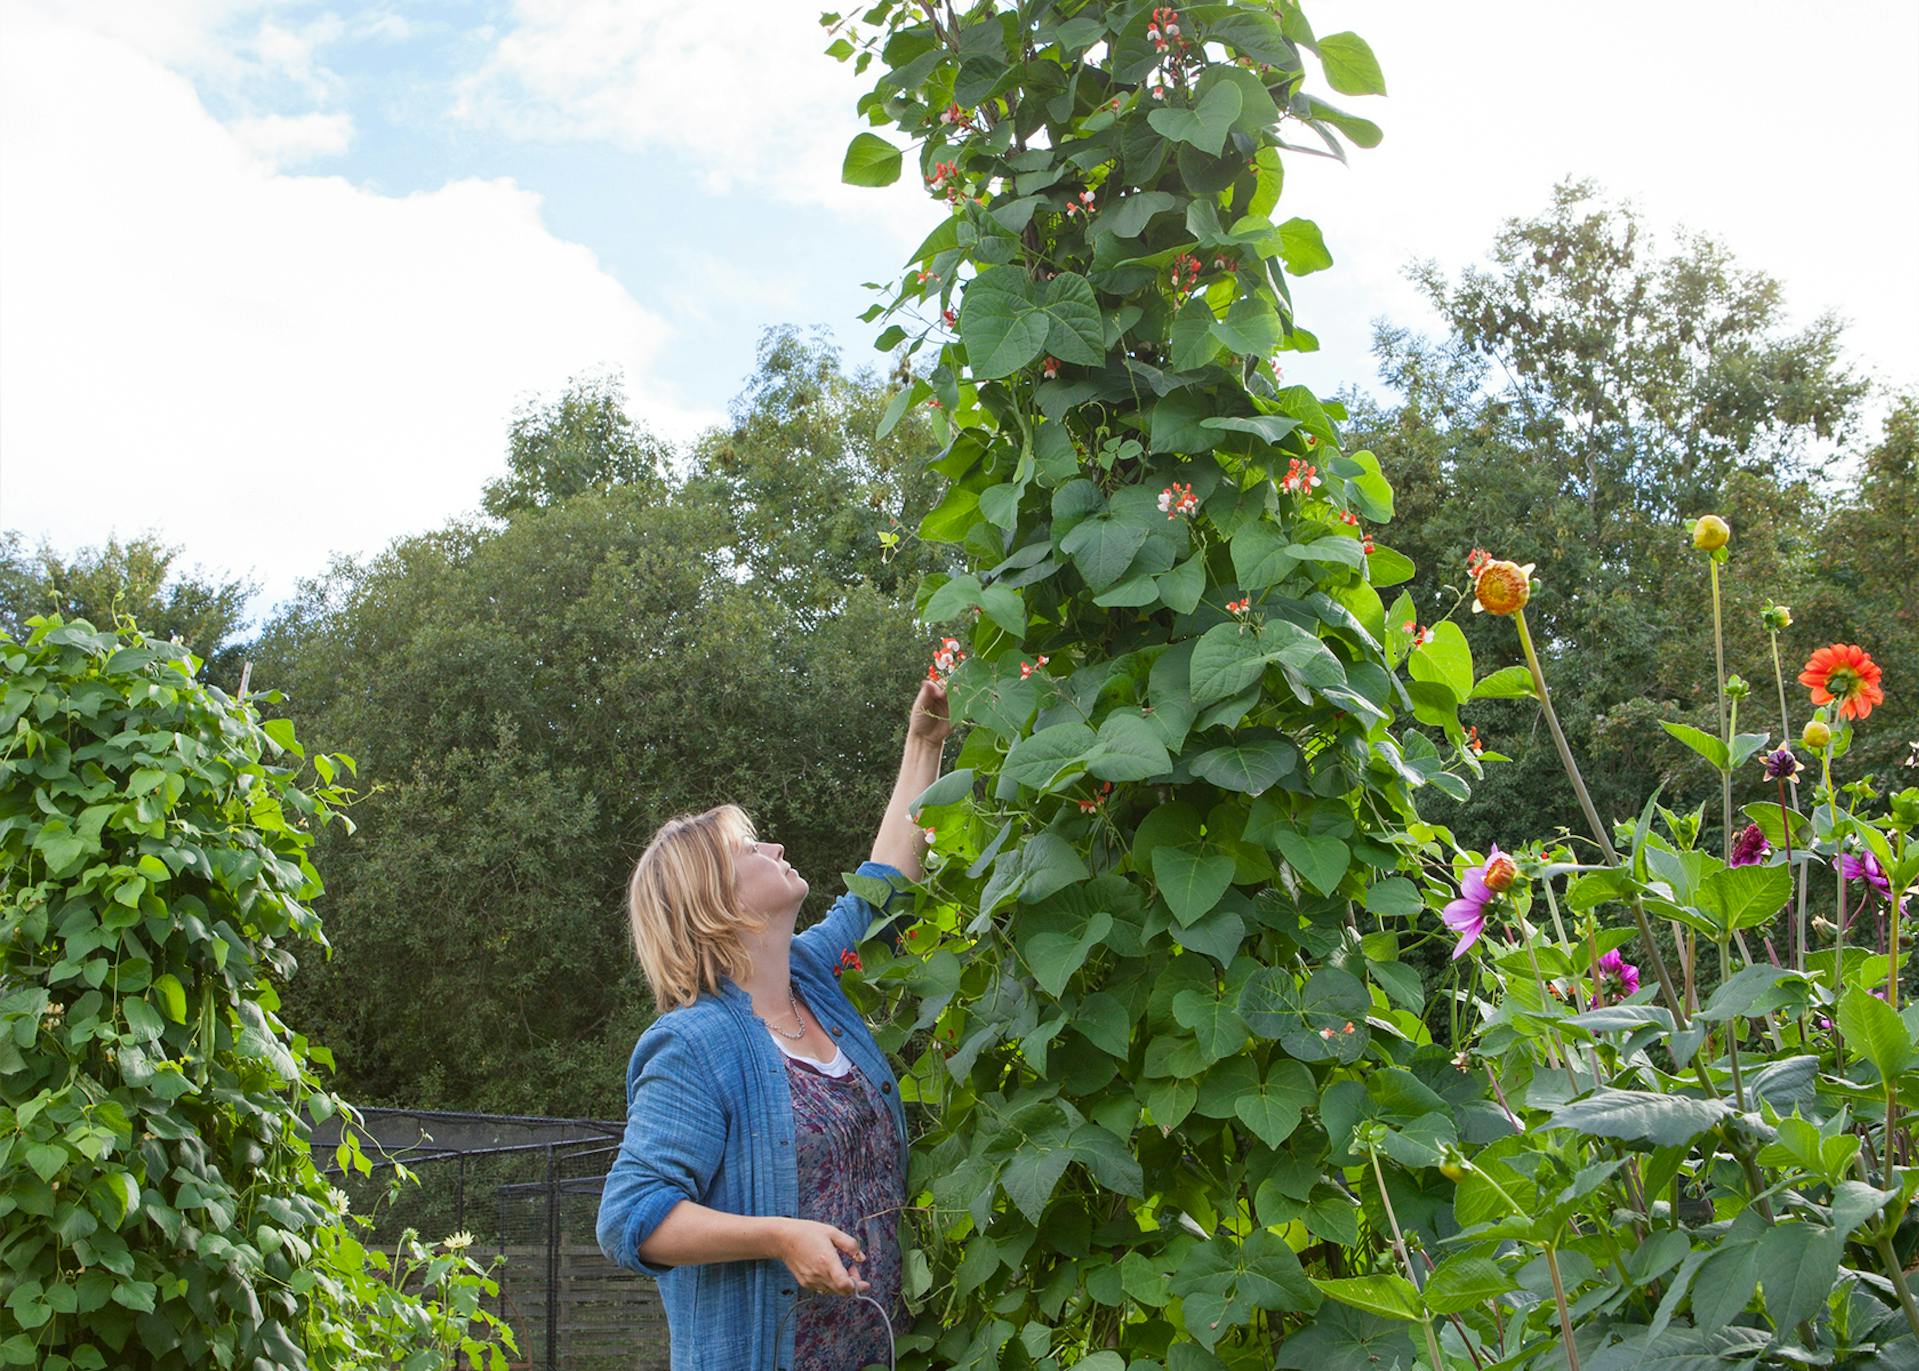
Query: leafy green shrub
pixel 161 1203
pixel 1712 1167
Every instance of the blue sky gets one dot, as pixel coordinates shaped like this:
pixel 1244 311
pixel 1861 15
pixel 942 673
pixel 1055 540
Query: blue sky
pixel 719 262
pixel 276 273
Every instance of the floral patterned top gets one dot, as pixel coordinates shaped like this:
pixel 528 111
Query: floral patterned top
pixel 849 1175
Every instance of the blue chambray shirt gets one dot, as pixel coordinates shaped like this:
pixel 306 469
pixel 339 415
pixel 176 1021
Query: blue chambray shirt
pixel 709 1118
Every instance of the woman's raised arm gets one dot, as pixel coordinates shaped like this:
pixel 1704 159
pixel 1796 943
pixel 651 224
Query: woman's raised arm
pixel 900 841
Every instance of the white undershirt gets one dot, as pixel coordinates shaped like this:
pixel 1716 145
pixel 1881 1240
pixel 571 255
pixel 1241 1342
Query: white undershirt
pixel 839 1066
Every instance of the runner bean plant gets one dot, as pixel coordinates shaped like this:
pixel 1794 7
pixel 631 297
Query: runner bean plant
pixel 160 1204
pixel 1183 1103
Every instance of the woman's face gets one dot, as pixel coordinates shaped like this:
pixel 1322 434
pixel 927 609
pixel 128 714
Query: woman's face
pixel 766 886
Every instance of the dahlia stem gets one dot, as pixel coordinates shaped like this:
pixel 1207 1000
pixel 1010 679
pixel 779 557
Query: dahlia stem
pixel 1725 734
pixel 1653 954
pixel 1565 1315
pixel 1896 1272
pixel 1406 1261
pixel 1785 740
pixel 1892 961
pixel 1839 878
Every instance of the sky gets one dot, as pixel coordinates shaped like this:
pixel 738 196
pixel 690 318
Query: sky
pixel 274 276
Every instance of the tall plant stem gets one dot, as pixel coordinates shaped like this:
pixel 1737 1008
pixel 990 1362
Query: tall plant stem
pixel 1406 1261
pixel 1725 772
pixel 1839 877
pixel 1565 1315
pixel 1785 740
pixel 1579 996
pixel 1653 954
pixel 1725 734
pixel 1732 1046
pixel 1897 1275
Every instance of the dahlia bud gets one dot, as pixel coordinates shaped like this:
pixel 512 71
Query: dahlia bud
pixel 1737 687
pixel 1502 587
pixel 1499 874
pixel 1776 618
pixel 1816 736
pixel 1710 533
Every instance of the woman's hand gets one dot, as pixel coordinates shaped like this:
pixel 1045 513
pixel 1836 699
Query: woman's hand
pixel 815 1253
pixel 930 720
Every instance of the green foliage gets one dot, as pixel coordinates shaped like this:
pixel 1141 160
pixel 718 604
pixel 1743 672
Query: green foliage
pixel 162 1205
pixel 581 442
pixel 530 701
pixel 1592 389
pixel 1156 1019
pixel 137 578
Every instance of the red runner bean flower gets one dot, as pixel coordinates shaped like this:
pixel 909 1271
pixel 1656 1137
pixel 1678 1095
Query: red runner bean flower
pixel 1299 476
pixel 1088 806
pixel 1178 499
pixel 945 659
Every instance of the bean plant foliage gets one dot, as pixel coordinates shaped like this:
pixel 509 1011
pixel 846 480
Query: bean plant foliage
pixel 1183 1105
pixel 1170 870
pixel 159 1202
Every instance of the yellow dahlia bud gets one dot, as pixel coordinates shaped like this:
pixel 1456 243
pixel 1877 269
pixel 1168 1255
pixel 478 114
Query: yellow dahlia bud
pixel 1499 874
pixel 1816 736
pixel 1502 588
pixel 1710 532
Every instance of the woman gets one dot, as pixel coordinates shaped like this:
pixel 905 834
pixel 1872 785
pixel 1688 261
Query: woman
pixel 764 1162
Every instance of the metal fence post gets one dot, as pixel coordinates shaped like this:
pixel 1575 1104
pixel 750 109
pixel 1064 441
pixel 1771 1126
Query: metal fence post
pixel 552 1262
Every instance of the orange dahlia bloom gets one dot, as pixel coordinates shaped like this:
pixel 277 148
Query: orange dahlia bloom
pixel 1844 672
pixel 1502 587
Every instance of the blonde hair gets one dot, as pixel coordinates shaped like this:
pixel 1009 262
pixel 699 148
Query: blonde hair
pixel 681 900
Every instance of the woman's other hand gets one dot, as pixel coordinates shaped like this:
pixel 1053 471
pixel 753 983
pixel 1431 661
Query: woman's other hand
pixel 930 720
pixel 815 1253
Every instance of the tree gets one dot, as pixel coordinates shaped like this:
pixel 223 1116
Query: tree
pixel 808 488
pixel 137 578
pixel 529 700
pixel 582 441
pixel 1861 588
pixel 1591 394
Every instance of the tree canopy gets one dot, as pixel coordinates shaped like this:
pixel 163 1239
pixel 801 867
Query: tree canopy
pixel 1591 391
pixel 530 698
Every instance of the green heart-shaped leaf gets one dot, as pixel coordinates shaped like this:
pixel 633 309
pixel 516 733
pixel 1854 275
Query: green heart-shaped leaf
pixel 1204 126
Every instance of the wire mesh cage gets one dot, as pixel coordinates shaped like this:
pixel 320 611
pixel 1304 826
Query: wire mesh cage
pixel 528 1190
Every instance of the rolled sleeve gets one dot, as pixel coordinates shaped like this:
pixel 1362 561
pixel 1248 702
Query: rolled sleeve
pixel 675 1139
pixel 846 923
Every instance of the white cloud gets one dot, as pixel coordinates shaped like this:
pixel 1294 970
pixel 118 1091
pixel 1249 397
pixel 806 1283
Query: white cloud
pixel 263 368
pixel 290 54
pixel 287 140
pixel 1684 109
pixel 1679 108
pixel 753 101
